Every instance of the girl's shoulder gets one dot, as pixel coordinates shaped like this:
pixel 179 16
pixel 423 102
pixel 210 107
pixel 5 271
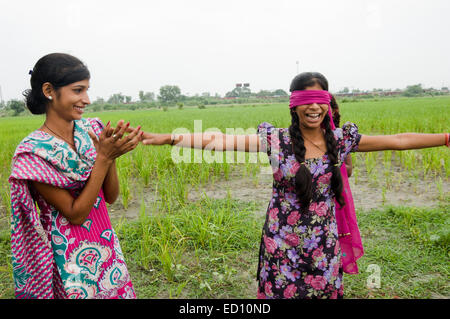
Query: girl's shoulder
pixel 93 123
pixel 347 130
pixel 265 127
pixel 268 128
pixel 28 143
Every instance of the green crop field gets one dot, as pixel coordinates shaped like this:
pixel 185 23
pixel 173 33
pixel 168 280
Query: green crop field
pixel 180 240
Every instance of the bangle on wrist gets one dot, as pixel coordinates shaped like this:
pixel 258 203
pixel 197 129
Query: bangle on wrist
pixel 172 140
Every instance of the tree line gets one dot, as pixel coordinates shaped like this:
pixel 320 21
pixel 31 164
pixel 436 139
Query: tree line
pixel 170 95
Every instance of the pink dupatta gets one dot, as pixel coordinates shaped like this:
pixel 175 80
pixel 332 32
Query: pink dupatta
pixel 349 237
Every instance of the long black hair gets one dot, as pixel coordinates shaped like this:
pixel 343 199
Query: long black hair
pixel 59 69
pixel 303 178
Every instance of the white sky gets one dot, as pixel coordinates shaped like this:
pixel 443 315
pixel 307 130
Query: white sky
pixel 209 46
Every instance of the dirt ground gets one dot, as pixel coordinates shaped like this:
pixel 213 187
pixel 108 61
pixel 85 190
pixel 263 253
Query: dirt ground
pixel 367 194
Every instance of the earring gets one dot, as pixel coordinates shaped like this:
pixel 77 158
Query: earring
pixel 50 98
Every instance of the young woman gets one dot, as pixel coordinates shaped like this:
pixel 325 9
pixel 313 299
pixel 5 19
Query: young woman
pixel 303 251
pixel 63 245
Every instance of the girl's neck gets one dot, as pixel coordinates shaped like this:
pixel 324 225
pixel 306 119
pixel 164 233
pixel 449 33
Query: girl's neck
pixel 59 125
pixel 312 133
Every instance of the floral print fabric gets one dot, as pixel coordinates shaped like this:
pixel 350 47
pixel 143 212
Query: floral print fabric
pixel 300 255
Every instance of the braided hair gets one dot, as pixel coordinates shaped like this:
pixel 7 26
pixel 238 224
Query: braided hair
pixel 303 178
pixel 336 114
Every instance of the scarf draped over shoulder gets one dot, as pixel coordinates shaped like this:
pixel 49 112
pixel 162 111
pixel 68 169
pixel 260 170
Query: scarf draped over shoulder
pixel 42 158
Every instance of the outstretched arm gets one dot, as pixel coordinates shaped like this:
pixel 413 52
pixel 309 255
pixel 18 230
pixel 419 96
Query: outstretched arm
pixel 209 140
pixel 402 141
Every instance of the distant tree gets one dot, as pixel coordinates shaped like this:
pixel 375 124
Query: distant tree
pixel 233 93
pixel 264 93
pixel 280 92
pixel 16 105
pixel 146 96
pixel 99 100
pixel 169 94
pixel 246 92
pixel 117 98
pixel 239 92
pixel 412 90
pixel 127 99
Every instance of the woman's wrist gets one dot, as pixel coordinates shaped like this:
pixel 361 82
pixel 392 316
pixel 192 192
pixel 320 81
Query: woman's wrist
pixel 171 139
pixel 447 139
pixel 103 159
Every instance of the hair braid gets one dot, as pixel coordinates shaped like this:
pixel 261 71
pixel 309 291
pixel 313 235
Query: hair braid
pixel 336 178
pixel 336 114
pixel 303 179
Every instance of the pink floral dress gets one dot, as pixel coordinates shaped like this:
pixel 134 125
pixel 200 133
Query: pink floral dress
pixel 300 256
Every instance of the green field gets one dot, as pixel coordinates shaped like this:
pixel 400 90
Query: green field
pixel 207 247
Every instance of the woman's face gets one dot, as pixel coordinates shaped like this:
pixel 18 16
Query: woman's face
pixel 312 115
pixel 71 100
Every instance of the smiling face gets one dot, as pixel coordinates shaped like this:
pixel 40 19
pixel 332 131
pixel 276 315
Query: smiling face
pixel 69 101
pixel 311 115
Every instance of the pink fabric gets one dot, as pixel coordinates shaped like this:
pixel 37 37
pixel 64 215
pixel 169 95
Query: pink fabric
pixel 309 97
pixel 98 232
pixel 349 236
pixel 30 237
pixel 33 235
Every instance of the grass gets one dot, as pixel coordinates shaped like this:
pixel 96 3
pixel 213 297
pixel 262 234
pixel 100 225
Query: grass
pixel 197 251
pixel 409 245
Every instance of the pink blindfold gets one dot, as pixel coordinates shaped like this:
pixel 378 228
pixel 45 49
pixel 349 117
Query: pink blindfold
pixel 309 97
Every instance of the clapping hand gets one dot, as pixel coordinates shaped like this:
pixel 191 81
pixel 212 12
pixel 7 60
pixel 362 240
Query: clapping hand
pixel 111 143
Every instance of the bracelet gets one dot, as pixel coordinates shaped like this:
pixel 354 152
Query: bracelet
pixel 173 141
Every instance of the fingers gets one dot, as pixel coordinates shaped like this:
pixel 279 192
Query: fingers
pixel 134 137
pixel 135 141
pixel 129 129
pixel 117 134
pixel 117 129
pixel 94 139
pixel 108 130
pixel 93 136
pixel 133 133
pixel 124 142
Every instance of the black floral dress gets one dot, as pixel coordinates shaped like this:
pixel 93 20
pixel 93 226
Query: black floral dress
pixel 299 254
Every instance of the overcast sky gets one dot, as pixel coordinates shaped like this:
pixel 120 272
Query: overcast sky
pixel 209 46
